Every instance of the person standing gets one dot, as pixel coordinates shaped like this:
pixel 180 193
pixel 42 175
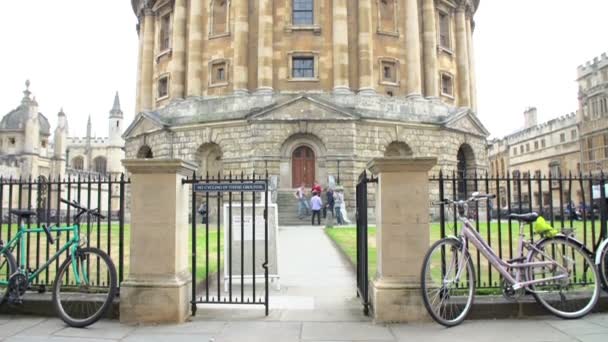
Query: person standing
pixel 330 202
pixel 339 201
pixel 303 208
pixel 316 204
pixel 316 188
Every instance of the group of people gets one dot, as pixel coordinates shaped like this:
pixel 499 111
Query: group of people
pixel 333 204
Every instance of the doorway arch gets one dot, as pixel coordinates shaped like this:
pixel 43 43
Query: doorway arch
pixel 303 166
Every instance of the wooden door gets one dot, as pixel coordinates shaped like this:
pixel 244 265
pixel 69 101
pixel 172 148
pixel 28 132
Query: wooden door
pixel 303 166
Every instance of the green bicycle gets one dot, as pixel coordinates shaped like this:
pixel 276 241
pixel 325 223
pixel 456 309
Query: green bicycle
pixel 85 284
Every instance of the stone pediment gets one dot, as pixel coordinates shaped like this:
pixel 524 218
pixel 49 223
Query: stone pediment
pixel 467 122
pixel 303 108
pixel 143 123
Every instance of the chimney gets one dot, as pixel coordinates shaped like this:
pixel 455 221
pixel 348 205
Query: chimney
pixel 530 117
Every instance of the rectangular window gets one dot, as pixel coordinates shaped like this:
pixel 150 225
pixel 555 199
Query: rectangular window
pixel 303 67
pixel 163 87
pixel 447 87
pixel 521 149
pixel 542 143
pixel 528 147
pixel 219 73
pixel 536 145
pixel 573 134
pixel 303 12
pixel 591 155
pixel 444 30
pixel 514 151
pixel 562 137
pixel 606 145
pixel 165 32
pixel 389 72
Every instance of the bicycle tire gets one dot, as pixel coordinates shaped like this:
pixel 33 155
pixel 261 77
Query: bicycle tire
pixel 442 293
pixel 558 305
pixel 107 302
pixel 6 259
pixel 603 267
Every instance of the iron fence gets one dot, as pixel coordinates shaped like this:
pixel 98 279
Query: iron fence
pixel 43 195
pixel 573 201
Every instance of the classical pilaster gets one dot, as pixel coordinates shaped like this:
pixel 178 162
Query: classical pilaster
pixel 178 54
pixel 147 64
pixel 412 49
pixel 241 44
pixel 265 39
pixel 473 80
pixel 195 47
pixel 366 63
pixel 462 59
pixel 431 80
pixel 340 44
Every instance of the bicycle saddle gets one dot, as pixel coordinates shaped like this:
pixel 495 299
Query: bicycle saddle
pixel 23 213
pixel 528 217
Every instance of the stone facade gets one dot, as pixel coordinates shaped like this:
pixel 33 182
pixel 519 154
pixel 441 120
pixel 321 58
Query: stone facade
pixel 373 87
pixel 593 114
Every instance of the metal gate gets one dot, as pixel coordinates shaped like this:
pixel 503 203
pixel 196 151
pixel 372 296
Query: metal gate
pixel 362 256
pixel 229 240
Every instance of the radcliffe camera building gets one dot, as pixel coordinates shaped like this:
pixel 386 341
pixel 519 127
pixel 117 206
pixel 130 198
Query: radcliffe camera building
pixel 306 89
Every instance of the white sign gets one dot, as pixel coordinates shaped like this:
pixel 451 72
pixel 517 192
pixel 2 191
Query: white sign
pixel 597 193
pixel 247 228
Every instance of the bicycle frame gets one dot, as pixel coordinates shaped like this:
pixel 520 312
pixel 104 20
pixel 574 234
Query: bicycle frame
pixel 72 245
pixel 470 234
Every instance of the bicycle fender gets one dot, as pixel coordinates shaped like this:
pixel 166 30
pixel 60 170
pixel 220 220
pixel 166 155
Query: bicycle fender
pixel 598 255
pixel 564 237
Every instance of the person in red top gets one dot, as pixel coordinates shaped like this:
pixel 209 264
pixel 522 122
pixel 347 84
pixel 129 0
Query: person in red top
pixel 316 188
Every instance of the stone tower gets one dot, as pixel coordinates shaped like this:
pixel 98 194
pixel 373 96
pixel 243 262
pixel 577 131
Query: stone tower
pixel 115 140
pixel 60 144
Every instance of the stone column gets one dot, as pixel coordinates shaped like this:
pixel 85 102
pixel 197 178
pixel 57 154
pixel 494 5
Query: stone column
pixel 462 59
pixel 140 60
pixel 241 47
pixel 366 62
pixel 195 49
pixel 431 71
pixel 473 80
pixel 402 237
pixel 412 49
pixel 147 63
pixel 340 44
pixel 265 51
pixel 158 287
pixel 178 50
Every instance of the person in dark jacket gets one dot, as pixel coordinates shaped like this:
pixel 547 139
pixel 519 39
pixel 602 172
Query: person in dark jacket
pixel 329 206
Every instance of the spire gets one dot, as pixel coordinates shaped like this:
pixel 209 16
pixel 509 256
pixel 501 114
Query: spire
pixel 26 92
pixel 61 112
pixel 116 111
pixel 89 128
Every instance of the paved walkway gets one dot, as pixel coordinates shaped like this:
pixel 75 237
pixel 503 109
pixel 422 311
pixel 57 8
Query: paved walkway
pixel 316 302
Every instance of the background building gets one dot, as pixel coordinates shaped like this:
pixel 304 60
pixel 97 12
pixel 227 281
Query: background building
pixel 593 114
pixel 309 89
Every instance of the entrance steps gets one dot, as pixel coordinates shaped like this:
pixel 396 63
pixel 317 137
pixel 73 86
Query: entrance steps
pixel 288 209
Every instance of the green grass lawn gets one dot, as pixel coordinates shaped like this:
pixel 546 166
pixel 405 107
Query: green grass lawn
pixel 346 239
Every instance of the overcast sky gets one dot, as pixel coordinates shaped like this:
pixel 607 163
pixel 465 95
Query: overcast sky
pixel 78 53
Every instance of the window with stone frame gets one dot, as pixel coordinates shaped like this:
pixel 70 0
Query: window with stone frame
pixel 387 16
pixel 590 152
pixel 11 141
pixel 77 163
pixel 573 134
pixel 303 67
pixel 163 87
pixel 543 144
pixel 390 72
pixel 220 17
pixel 444 30
pixel 165 32
pixel 606 145
pixel 100 165
pixel 536 145
pixel 527 147
pixel 303 12
pixel 447 85
pixel 521 149
pixel 219 73
pixel 514 151
pixel 562 137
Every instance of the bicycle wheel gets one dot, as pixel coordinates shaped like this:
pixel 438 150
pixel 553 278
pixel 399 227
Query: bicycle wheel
pixel 575 294
pixel 80 304
pixel 448 282
pixel 603 267
pixel 8 266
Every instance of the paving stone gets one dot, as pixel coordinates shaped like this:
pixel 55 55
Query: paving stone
pixel 261 331
pixel 578 327
pixel 193 327
pixel 17 324
pixel 345 331
pixel 101 329
pixel 44 328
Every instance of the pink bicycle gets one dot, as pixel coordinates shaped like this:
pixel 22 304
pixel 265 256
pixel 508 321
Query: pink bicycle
pixel 557 270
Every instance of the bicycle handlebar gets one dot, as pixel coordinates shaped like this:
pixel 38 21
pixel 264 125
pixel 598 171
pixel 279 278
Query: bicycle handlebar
pixel 475 197
pixel 94 212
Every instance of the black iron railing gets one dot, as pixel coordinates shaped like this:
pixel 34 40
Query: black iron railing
pixel 43 195
pixel 573 201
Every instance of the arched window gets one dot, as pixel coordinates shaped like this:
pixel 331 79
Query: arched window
pixel 398 149
pixel 145 152
pixel 387 16
pixel 77 163
pixel 100 165
pixel 220 17
pixel 209 159
pixel 465 170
